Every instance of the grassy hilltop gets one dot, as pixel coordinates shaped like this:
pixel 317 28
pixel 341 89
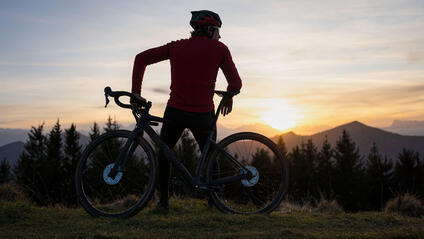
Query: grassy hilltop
pixel 193 219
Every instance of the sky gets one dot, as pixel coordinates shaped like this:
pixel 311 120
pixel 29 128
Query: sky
pixel 305 65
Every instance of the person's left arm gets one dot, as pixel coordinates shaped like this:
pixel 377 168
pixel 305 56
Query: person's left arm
pixel 234 82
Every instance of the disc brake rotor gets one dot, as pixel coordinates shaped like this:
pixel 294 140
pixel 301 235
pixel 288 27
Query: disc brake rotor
pixel 255 178
pixel 109 180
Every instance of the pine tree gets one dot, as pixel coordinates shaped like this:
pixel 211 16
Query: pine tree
pixel 348 174
pixel 95 132
pixel 282 146
pixel 111 125
pixel 310 153
pixel 276 170
pixel 324 170
pixel 5 175
pixel 263 162
pixel 28 169
pixel 379 172
pixel 72 150
pixel 187 150
pixel 54 146
pixel 53 169
pixel 420 178
pixel 302 161
pixel 407 172
pixel 294 157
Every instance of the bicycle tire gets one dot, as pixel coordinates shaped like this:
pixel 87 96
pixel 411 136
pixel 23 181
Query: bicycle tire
pixel 134 189
pixel 262 156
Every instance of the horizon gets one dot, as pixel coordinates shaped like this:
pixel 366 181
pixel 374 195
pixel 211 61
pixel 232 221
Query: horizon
pixel 305 67
pixel 409 126
pixel 389 142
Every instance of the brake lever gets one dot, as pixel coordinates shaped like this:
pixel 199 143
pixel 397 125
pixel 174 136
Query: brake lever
pixel 107 100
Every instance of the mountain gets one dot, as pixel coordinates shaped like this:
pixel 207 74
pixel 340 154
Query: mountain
pixel 8 136
pixel 258 128
pixel 407 127
pixel 12 135
pixel 264 129
pixel 12 152
pixel 364 136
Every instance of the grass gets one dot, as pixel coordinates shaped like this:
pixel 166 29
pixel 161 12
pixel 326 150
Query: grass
pixel 194 219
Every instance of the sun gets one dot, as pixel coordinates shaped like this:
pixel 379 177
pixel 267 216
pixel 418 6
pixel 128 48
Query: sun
pixel 280 115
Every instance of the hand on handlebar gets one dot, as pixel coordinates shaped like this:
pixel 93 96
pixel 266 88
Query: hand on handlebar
pixel 138 99
pixel 227 107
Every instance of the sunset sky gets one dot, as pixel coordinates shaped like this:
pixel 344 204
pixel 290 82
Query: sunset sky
pixel 305 65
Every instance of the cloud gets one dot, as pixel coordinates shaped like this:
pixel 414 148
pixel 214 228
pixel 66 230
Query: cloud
pixel 414 56
pixel 335 105
pixel 161 91
pixel 118 64
pixel 328 58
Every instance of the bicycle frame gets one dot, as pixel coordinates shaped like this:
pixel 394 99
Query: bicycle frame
pixel 144 120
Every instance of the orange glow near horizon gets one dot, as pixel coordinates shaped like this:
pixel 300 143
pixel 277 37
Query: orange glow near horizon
pixel 281 115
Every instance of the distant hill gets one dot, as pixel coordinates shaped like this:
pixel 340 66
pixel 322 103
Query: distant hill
pixel 8 136
pixel 12 152
pixel 364 136
pixel 258 128
pixel 407 127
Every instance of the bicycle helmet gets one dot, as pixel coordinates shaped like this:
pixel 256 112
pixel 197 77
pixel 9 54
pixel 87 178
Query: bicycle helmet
pixel 204 18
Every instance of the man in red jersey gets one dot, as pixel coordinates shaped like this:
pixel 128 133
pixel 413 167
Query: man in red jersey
pixel 194 67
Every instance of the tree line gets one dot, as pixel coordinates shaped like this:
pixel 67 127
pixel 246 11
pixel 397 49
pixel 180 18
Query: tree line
pixel 46 168
pixel 357 182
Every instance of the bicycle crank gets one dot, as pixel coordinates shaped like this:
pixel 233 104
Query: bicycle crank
pixel 107 175
pixel 255 177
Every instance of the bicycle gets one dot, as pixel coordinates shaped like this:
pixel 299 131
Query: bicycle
pixel 115 178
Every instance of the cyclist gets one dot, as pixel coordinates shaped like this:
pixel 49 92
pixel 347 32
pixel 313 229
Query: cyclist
pixel 194 67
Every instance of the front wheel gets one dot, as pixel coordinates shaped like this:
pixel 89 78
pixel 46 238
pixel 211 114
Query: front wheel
pixel 124 193
pixel 264 190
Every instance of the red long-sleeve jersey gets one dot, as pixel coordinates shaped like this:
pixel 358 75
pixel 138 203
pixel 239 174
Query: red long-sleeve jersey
pixel 194 68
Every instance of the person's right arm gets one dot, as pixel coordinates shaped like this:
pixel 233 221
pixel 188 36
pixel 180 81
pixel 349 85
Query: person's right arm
pixel 142 60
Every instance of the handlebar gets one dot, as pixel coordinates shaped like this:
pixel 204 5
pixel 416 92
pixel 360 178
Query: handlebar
pixel 117 94
pixel 226 93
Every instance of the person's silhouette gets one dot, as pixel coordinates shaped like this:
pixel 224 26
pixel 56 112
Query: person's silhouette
pixel 194 68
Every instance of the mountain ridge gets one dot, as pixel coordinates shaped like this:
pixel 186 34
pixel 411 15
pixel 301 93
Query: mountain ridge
pixel 364 136
pixel 389 143
pixel 12 152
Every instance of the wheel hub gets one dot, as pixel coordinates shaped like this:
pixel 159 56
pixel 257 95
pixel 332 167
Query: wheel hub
pixel 109 180
pixel 255 177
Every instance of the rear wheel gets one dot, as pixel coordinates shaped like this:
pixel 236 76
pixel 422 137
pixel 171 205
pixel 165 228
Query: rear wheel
pixel 261 193
pixel 122 195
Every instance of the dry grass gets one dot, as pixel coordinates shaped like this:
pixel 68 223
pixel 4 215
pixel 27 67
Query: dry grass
pixel 323 206
pixel 407 205
pixel 288 207
pixel 194 219
pixel 327 206
pixel 10 192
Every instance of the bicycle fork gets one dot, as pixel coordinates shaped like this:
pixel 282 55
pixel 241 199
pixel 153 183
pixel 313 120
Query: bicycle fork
pixel 123 157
